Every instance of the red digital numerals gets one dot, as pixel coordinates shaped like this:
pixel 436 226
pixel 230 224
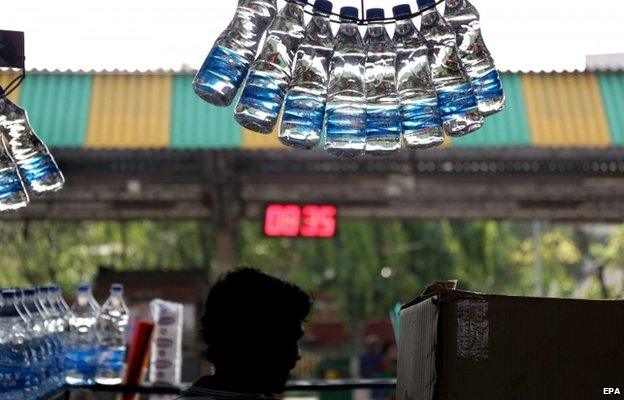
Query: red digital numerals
pixel 292 220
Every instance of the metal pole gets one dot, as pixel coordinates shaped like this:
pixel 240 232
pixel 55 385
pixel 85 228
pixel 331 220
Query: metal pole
pixel 539 269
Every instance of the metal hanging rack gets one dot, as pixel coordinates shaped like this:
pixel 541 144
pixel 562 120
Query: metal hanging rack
pixel 363 21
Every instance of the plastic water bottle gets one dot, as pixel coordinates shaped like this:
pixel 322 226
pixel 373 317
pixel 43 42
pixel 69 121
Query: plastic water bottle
pixel 456 99
pixel 112 324
pixel 261 101
pixel 55 327
pixel 306 98
pixel 225 68
pixel 41 342
pixel 32 157
pixel 15 373
pixel 82 356
pixel 12 193
pixel 34 381
pixel 346 94
pixel 62 313
pixel 383 111
pixel 421 121
pixel 464 18
pixel 51 378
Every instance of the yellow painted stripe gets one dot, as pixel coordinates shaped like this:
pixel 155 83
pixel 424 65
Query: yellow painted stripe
pixel 130 111
pixel 565 110
pixel 5 79
pixel 259 141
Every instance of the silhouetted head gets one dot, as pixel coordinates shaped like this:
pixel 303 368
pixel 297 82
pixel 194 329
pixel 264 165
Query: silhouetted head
pixel 252 323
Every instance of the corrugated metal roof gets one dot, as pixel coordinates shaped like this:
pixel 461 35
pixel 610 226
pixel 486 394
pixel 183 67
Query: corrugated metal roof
pixel 160 110
pixel 565 110
pixel 58 107
pixel 195 124
pixel 507 128
pixel 130 111
pixel 612 89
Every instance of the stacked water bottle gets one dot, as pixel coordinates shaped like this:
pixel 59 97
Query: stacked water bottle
pixel 354 94
pixel 25 161
pixel 45 344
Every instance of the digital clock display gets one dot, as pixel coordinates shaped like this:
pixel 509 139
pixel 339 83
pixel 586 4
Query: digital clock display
pixel 300 220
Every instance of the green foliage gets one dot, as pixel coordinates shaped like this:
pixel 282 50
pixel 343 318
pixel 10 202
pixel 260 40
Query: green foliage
pixel 370 265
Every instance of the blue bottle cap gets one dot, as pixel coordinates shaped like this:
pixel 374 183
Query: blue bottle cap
pixel 116 287
pixel 425 3
pixel 8 294
pixel 43 289
pixel 323 6
pixel 375 14
pixel 30 291
pixel 349 13
pixel 84 287
pixel 401 11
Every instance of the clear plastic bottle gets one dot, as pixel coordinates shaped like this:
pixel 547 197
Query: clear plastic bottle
pixel 41 342
pixel 33 353
pixel 63 317
pixel 33 159
pixel 13 196
pixel 225 68
pixel 82 356
pixel 464 18
pixel 55 322
pixel 112 324
pixel 261 101
pixel 16 376
pixel 346 94
pixel 383 108
pixel 306 98
pixel 420 117
pixel 52 340
pixel 456 99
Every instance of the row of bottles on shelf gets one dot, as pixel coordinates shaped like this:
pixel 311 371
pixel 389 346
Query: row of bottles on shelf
pixel 371 94
pixel 45 344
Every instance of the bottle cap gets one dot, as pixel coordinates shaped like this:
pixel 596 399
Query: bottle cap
pixel 30 291
pixel 375 14
pixel 8 294
pixel 425 3
pixel 43 289
pixel 84 287
pixel 323 6
pixel 401 11
pixel 116 287
pixel 349 13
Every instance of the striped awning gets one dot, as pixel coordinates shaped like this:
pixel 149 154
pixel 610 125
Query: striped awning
pixel 123 110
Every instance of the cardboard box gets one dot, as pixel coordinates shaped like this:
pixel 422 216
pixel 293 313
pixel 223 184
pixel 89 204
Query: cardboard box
pixel 462 345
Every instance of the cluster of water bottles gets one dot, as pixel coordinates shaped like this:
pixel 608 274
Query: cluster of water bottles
pixel 25 161
pixel 45 344
pixel 372 94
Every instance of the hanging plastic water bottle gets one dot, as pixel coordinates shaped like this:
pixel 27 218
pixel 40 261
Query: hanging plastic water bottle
pixel 456 99
pixel 12 193
pixel 82 356
pixel 112 324
pixel 32 157
pixel 261 101
pixel 346 94
pixel 40 341
pixel 464 18
pixel 306 98
pixel 15 373
pixel 421 121
pixel 383 109
pixel 223 71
